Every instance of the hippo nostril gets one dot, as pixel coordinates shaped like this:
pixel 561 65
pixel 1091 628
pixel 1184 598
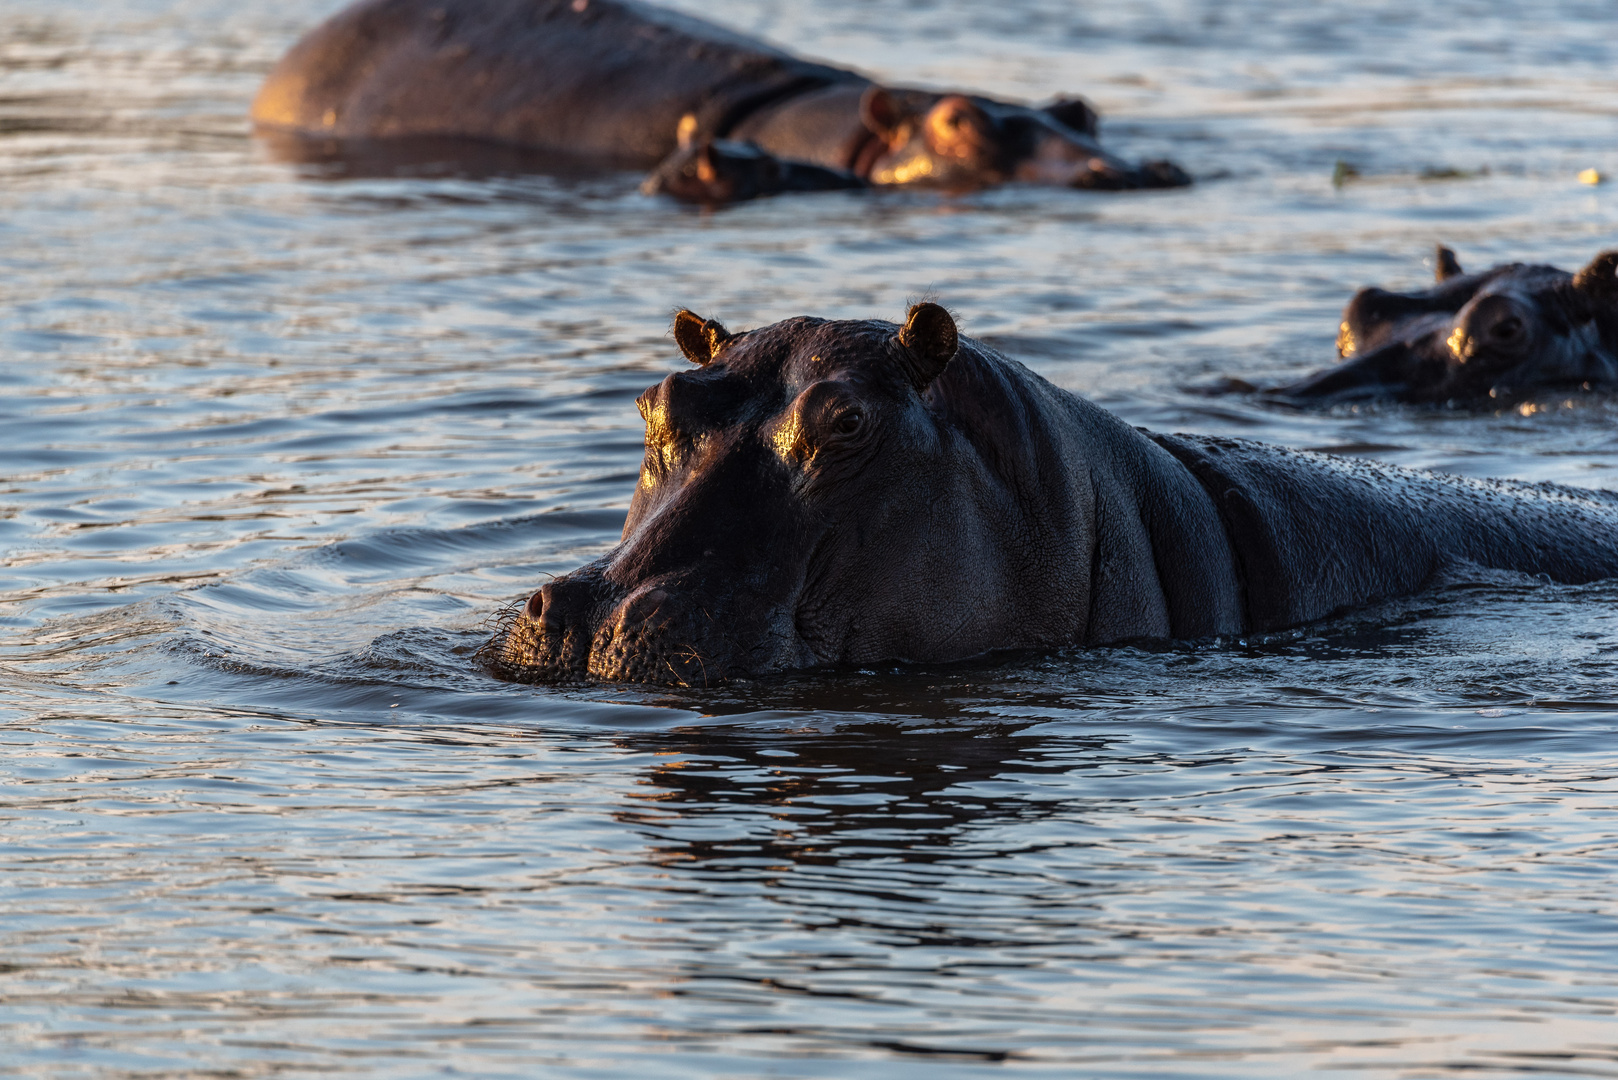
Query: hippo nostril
pixel 558 604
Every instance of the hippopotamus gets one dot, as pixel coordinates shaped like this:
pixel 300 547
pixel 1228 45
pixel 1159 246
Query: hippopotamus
pixel 849 492
pixel 626 82
pixel 1472 339
pixel 715 171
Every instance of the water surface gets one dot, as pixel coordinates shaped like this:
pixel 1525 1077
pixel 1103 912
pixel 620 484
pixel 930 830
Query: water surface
pixel 278 439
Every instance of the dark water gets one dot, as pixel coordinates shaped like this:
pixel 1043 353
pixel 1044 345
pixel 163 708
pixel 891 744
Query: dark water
pixel 278 440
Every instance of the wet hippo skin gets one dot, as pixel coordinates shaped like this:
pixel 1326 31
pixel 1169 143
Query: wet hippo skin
pixel 1475 339
pixel 823 492
pixel 631 83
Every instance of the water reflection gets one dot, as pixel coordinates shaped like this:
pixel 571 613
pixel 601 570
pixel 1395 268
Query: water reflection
pixel 281 436
pixel 434 158
pixel 864 792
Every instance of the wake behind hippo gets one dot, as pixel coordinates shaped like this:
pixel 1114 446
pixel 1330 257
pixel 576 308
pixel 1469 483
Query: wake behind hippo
pixel 851 492
pixel 1474 339
pixel 632 83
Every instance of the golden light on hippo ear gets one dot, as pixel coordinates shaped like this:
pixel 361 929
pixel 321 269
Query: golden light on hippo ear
pixel 959 129
pixel 1445 264
pixel 1599 281
pixel 930 341
pixel 699 339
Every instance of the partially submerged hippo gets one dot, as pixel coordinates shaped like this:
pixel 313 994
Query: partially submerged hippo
pixel 714 171
pixel 1510 330
pixel 851 492
pixel 623 81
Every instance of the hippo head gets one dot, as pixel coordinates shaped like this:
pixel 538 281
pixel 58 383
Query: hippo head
pixel 1509 330
pixel 958 141
pixel 715 171
pixel 780 516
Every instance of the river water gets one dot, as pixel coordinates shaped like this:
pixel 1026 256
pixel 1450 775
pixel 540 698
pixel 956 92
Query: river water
pixel 277 440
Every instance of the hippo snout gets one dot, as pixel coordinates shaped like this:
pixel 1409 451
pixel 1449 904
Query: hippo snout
pixel 583 628
pixel 1101 174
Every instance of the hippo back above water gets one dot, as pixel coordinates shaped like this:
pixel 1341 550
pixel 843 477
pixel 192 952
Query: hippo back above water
pixel 850 492
pixel 622 81
pixel 1475 339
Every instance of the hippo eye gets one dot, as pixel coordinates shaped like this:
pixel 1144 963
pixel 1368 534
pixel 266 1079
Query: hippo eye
pixel 847 423
pixel 1507 329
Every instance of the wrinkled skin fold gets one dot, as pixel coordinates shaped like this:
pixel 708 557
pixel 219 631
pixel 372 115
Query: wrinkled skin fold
pixel 1475 339
pixel 819 492
pixel 631 83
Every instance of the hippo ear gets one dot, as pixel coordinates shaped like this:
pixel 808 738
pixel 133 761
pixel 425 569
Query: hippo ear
pixel 700 339
pixel 930 339
pixel 881 113
pixel 1074 113
pixel 1445 264
pixel 1598 282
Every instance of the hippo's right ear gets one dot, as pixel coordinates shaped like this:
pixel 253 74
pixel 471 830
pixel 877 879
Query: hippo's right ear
pixel 1445 264
pixel 1075 113
pixel 700 339
pixel 930 341
pixel 881 113
pixel 1598 282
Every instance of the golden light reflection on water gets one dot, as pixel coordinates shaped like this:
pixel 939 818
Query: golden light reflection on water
pixel 349 418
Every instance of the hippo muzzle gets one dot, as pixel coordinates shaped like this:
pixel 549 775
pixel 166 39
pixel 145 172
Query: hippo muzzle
pixel 671 630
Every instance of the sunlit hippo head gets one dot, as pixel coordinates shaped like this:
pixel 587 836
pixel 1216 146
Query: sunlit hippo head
pixel 782 476
pixel 1508 331
pixel 958 141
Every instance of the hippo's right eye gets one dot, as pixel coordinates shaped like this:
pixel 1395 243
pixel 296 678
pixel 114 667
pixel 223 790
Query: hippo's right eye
pixel 1507 329
pixel 848 422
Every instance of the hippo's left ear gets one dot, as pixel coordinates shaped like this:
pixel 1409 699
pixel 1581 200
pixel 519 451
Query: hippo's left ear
pixel 930 340
pixel 1598 282
pixel 700 339
pixel 1445 264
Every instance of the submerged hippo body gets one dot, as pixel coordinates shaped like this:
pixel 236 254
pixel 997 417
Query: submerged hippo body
pixel 851 492
pixel 628 82
pixel 1508 331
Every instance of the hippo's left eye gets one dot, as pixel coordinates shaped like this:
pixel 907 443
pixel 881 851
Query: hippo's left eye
pixel 848 422
pixel 1507 329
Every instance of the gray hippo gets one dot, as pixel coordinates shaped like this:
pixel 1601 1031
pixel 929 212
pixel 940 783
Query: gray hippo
pixel 625 82
pixel 1507 331
pixel 823 492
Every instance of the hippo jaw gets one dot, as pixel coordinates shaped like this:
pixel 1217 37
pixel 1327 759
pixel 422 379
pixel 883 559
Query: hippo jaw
pixel 1508 331
pixel 764 487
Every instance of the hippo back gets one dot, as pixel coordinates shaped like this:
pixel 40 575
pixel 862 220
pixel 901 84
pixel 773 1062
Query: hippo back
pixel 1154 555
pixel 1314 534
pixel 607 78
